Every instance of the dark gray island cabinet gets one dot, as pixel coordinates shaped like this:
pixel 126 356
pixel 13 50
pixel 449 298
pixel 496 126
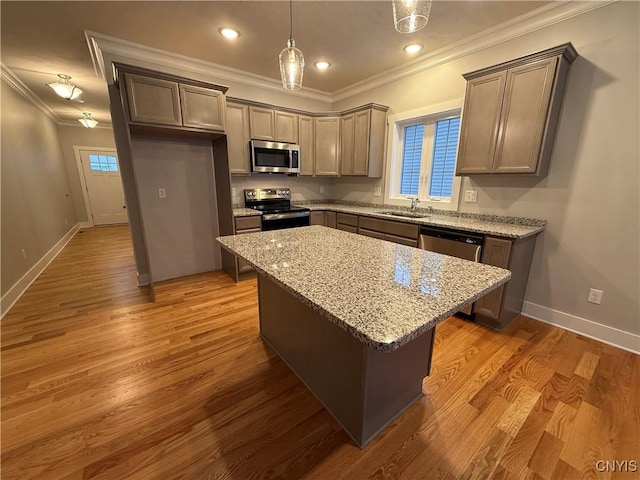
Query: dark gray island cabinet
pixel 354 316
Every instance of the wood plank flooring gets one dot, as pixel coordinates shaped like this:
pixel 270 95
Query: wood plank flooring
pixel 98 383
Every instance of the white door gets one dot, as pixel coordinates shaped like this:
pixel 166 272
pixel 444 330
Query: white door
pixel 104 187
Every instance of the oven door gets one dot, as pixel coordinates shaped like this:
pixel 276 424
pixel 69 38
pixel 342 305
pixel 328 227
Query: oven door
pixel 276 221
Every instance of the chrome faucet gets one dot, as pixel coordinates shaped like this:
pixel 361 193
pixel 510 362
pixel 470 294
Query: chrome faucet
pixel 414 203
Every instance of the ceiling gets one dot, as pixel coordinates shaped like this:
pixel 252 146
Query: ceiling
pixel 42 39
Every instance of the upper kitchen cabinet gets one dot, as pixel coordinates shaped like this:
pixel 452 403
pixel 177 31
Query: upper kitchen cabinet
pixel 362 141
pixel 202 108
pixel 274 125
pixel 238 138
pixel 306 140
pixel 511 112
pixel 327 146
pixel 155 98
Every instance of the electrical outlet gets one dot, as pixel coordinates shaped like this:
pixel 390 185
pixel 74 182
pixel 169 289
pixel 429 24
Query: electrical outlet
pixel 377 192
pixel 24 254
pixel 234 192
pixel 595 296
pixel 471 196
pixel 162 193
pixel 321 188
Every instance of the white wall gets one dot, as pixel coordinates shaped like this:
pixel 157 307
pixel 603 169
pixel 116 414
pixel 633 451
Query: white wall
pixel 81 137
pixel 37 209
pixel 590 196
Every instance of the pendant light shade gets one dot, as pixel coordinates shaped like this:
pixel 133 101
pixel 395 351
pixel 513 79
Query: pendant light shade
pixel 411 15
pixel 291 60
pixel 64 89
pixel 87 120
pixel 291 66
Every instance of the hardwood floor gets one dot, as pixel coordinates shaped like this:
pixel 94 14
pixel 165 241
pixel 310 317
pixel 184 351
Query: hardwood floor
pixel 98 383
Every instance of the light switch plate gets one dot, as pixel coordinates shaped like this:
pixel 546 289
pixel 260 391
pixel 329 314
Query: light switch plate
pixel 234 191
pixel 321 188
pixel 471 196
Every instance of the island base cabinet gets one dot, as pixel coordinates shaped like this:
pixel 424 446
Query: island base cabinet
pixel 364 390
pixel 499 308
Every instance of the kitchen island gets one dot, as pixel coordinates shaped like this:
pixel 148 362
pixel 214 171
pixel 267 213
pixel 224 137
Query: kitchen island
pixel 354 316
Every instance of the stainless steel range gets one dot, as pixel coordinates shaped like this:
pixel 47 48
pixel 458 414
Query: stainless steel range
pixel 275 205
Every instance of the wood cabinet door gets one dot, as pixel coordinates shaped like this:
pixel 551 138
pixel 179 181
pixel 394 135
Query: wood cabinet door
pixel 346 144
pixel 238 138
pixel 306 141
pixel 202 108
pixel 262 124
pixel 496 252
pixel 524 116
pixel 286 127
pixel 152 100
pixel 330 219
pixel 361 130
pixel 317 218
pixel 327 145
pixel 480 121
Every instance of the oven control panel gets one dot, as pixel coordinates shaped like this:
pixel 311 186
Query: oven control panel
pixel 267 194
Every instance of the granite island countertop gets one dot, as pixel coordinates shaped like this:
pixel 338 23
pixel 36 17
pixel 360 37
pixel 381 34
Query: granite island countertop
pixel 509 227
pixel 382 293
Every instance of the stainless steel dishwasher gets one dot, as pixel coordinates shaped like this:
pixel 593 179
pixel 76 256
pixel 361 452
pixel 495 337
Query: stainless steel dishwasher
pixel 467 246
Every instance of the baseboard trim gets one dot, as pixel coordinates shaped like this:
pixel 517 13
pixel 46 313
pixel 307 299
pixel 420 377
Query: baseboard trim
pixel 17 290
pixel 588 328
pixel 143 279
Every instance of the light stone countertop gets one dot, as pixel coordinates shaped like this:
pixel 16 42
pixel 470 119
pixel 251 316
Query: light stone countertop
pixel 509 227
pixel 245 212
pixel 382 293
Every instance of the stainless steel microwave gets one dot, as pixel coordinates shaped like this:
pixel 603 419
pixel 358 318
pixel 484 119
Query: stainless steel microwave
pixel 274 157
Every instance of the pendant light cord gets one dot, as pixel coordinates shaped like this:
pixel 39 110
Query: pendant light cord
pixel 290 19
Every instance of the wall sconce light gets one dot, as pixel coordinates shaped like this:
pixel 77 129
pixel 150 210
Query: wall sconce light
pixel 87 120
pixel 64 89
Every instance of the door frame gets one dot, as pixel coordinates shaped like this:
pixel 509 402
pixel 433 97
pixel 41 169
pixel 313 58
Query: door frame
pixel 83 180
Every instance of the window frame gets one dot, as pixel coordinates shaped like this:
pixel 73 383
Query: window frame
pixel 397 123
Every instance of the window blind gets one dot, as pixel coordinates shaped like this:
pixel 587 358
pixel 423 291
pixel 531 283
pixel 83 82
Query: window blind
pixel 411 158
pixel 443 164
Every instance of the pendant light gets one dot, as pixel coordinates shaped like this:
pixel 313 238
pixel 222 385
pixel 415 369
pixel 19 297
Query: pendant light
pixel 87 120
pixel 291 60
pixel 64 89
pixel 411 15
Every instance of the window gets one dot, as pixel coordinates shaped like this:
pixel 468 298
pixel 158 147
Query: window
pixel 423 159
pixel 103 163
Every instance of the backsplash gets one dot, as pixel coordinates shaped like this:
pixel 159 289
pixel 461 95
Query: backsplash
pixel 302 188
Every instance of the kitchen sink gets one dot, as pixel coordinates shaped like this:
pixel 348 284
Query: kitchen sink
pixel 398 213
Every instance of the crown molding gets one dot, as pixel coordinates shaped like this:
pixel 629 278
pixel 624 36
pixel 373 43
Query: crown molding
pixel 14 82
pixel 100 44
pixel 545 16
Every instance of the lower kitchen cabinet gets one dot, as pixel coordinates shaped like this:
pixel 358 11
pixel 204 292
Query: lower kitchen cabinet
pixel 246 225
pixel 317 218
pixel 330 219
pixel 392 231
pixel 500 307
pixel 347 222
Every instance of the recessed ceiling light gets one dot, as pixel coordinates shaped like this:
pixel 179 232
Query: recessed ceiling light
pixel 229 32
pixel 322 65
pixel 413 48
